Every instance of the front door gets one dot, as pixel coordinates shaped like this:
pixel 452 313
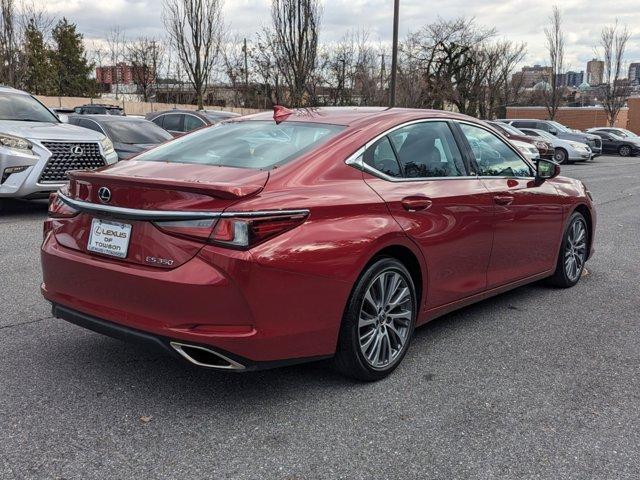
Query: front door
pixel 528 214
pixel 419 172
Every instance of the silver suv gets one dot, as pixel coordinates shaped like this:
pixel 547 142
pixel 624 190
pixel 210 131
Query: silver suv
pixel 37 150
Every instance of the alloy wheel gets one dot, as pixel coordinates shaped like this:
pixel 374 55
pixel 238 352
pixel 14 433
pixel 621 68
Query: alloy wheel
pixel 575 252
pixel 625 151
pixel 560 156
pixel 385 320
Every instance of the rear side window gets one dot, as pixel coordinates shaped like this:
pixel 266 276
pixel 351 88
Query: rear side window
pixel 427 149
pixel 173 122
pixel 494 157
pixel 245 144
pixel 382 157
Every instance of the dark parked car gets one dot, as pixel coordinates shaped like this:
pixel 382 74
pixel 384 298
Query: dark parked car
pixel 545 149
pixel 130 136
pixel 612 143
pixel 179 122
pixel 99 109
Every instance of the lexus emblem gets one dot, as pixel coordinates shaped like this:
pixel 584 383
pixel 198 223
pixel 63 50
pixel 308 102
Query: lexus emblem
pixel 104 194
pixel 77 150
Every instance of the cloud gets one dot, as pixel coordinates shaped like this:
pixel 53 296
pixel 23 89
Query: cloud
pixel 517 20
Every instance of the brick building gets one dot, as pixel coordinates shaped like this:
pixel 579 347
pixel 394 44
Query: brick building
pixel 121 73
pixel 582 118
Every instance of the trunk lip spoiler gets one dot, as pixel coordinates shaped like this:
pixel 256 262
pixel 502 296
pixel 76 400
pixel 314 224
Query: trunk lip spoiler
pixel 167 215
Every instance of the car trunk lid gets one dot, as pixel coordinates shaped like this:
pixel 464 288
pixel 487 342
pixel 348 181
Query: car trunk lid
pixel 163 211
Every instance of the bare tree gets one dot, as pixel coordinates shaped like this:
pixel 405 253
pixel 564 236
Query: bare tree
pixel 555 48
pixel 295 31
pixel 116 43
pixel 145 57
pixel 616 90
pixel 9 49
pixel 196 30
pixel 234 56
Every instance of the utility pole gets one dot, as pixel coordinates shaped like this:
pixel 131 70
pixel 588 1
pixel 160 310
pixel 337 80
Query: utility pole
pixel 394 54
pixel 246 73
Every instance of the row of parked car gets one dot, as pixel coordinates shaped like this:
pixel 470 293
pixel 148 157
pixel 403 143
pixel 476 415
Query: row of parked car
pixel 555 141
pixel 38 146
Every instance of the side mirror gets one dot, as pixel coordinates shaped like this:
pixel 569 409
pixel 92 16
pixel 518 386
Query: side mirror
pixel 553 131
pixel 546 169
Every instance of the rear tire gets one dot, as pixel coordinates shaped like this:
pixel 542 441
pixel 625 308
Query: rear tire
pixel 378 322
pixel 624 151
pixel 573 253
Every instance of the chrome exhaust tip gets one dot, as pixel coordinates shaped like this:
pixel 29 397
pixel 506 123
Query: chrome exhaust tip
pixel 203 357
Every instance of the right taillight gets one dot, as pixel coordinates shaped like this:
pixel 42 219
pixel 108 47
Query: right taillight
pixel 244 232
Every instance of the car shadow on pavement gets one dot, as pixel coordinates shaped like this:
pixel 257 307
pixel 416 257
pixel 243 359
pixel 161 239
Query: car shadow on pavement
pixel 100 366
pixel 10 208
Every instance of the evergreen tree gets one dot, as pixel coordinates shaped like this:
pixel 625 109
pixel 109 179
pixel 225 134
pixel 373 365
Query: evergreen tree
pixel 38 76
pixel 70 64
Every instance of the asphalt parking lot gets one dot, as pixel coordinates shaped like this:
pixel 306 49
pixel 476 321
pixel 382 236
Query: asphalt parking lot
pixel 536 383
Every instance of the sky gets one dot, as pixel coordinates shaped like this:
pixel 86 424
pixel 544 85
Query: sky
pixel 517 20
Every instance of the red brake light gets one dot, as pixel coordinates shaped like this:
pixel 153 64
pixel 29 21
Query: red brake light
pixel 193 229
pixel 245 232
pixel 59 209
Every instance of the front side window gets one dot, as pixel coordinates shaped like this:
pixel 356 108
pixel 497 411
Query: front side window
pixel 191 123
pixel 427 149
pixel 245 144
pixel 173 122
pixel 494 157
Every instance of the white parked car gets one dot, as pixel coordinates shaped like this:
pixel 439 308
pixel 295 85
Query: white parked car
pixel 37 149
pixel 566 151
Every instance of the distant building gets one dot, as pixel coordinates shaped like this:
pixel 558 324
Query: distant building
pixel 634 74
pixel 121 74
pixel 574 78
pixel 595 72
pixel 531 76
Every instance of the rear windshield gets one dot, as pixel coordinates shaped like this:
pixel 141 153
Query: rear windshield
pixel 248 144
pixel 135 132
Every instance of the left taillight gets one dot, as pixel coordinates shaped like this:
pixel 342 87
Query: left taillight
pixel 239 231
pixel 59 209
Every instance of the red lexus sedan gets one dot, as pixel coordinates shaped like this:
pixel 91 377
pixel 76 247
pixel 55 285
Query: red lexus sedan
pixel 309 234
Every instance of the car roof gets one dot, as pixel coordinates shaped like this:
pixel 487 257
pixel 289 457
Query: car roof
pixel 356 116
pixel 7 89
pixel 110 118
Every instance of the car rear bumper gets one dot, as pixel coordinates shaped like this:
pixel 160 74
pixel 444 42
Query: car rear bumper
pixel 130 335
pixel 219 299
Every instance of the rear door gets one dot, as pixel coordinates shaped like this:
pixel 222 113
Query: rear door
pixel 528 214
pixel 419 171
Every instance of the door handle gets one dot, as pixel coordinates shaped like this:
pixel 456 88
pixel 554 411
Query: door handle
pixel 503 199
pixel 416 203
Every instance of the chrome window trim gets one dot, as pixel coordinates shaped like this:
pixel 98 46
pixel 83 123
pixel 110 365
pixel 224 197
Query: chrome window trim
pixel 165 215
pixel 355 159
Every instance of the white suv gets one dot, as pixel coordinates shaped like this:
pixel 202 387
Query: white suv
pixel 37 150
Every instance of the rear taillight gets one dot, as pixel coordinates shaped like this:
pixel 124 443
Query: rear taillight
pixel 59 209
pixel 193 229
pixel 241 231
pixel 244 231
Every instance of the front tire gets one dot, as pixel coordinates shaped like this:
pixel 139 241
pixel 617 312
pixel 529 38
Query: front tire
pixel 560 156
pixel 573 253
pixel 378 322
